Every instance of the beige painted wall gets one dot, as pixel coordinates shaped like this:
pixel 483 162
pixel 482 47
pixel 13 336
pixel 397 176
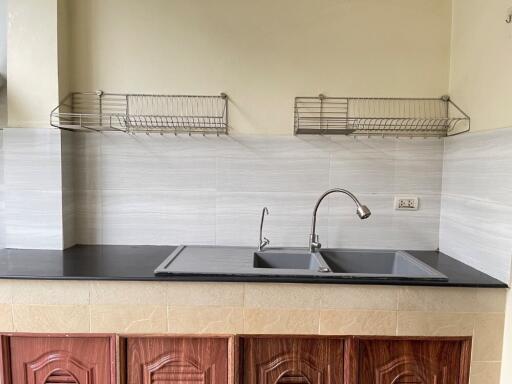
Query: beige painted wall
pixel 481 83
pixel 481 62
pixel 63 44
pixel 262 53
pixel 32 69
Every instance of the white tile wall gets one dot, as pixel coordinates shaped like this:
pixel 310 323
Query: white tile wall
pixel 2 193
pixel 476 209
pixel 61 188
pixel 210 190
pixel 33 188
pixel 3 122
pixel 68 188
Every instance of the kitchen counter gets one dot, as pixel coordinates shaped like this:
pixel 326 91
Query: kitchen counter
pixel 125 262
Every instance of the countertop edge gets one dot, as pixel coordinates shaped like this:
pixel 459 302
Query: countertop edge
pixel 258 279
pixel 138 262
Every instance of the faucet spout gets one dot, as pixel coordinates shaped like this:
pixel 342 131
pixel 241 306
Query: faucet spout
pixel 361 210
pixel 263 240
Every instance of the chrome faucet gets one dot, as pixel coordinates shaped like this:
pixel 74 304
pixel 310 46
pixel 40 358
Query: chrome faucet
pixel 362 211
pixel 263 240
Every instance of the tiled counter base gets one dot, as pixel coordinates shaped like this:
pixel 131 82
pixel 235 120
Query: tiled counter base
pixel 256 308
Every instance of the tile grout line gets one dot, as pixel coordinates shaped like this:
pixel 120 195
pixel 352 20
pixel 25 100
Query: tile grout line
pixel 89 306
pixel 397 309
pixel 472 346
pixel 167 318
pixel 487 361
pixel 12 306
pixel 318 312
pixel 102 190
pixel 244 326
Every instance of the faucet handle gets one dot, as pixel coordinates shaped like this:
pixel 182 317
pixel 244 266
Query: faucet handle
pixel 314 243
pixel 263 243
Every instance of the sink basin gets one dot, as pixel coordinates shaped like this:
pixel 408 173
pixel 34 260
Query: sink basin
pixel 375 263
pixel 333 264
pixel 286 260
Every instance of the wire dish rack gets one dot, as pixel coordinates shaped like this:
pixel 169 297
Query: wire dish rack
pixel 132 113
pixel 423 117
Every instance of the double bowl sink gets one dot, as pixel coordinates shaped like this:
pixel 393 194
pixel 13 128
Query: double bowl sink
pixel 340 263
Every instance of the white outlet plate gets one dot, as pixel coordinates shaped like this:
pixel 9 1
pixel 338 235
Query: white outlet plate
pixel 407 203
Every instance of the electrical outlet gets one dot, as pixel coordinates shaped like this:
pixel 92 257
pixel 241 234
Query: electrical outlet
pixel 406 203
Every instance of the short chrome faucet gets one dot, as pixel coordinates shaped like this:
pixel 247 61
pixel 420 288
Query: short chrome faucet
pixel 263 240
pixel 362 211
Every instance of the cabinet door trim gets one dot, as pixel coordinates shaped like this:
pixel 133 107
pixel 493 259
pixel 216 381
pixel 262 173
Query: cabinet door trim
pixel 5 360
pixel 143 357
pixel 280 362
pixel 5 350
pixel 352 356
pixel 235 354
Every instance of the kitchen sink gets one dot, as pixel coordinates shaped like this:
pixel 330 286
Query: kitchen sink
pixel 378 263
pixel 328 263
pixel 287 260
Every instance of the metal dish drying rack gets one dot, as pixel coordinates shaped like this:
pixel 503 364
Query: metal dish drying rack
pixel 131 113
pixel 411 117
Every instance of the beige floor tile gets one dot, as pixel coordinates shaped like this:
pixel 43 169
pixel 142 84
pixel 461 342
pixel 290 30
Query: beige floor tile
pixel 129 318
pixel 274 321
pixel 348 322
pixel 434 324
pixel 210 294
pixel 41 292
pixel 359 297
pixel 485 373
pixel 282 296
pixel 6 318
pixel 205 319
pixel 488 337
pixel 127 292
pixel 51 318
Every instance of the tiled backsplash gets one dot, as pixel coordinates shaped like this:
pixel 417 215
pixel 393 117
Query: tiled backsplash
pixel 476 209
pixel 210 190
pixel 2 192
pixel 33 188
pixel 114 188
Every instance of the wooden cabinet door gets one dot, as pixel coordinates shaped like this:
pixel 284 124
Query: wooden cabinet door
pixel 287 360
pixel 184 360
pixel 5 366
pixel 413 361
pixel 56 359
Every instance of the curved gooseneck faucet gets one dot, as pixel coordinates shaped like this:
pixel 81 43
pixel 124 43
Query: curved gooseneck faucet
pixel 362 211
pixel 263 240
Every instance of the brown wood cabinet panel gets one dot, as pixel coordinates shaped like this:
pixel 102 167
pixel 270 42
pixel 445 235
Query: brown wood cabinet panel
pixel 5 365
pixel 60 359
pixel 286 360
pixel 407 361
pixel 184 360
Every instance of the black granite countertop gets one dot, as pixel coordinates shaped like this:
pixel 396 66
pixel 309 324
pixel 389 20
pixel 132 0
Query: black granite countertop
pixel 126 262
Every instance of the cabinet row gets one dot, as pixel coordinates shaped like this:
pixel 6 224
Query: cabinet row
pixel 251 359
